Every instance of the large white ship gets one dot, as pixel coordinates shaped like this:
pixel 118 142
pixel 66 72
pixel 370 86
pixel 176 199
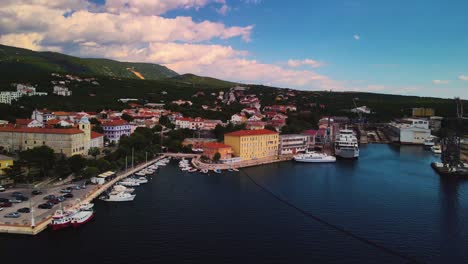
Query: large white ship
pixel 346 144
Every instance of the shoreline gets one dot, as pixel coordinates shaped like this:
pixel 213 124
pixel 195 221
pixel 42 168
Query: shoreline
pixel 88 197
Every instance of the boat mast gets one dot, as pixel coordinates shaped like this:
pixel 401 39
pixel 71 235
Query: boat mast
pixel 132 156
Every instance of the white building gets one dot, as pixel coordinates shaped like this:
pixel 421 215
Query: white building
pixel 292 144
pixel 410 131
pixel 62 91
pixel 42 116
pixel 6 97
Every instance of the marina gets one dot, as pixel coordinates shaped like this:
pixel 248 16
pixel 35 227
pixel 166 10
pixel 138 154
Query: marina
pixel 177 210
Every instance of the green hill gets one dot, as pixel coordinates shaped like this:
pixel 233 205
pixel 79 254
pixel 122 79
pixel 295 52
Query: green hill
pixel 61 63
pixel 200 81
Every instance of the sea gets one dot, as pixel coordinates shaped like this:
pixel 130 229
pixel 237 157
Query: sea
pixel 388 206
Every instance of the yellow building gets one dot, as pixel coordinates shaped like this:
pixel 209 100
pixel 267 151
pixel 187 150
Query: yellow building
pixel 423 112
pixel 5 162
pixel 253 144
pixel 69 141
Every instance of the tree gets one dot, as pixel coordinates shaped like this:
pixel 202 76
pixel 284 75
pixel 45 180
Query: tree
pixel 94 152
pixel 76 163
pixel 90 172
pixel 216 157
pixel 41 157
pixel 270 127
pixel 127 118
pixel 164 120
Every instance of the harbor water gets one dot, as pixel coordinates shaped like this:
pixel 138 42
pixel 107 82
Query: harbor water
pixel 387 207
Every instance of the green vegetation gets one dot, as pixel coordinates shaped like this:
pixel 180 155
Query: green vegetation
pixel 60 63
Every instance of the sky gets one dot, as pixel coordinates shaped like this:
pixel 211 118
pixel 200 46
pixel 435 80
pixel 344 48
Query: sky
pixel 400 47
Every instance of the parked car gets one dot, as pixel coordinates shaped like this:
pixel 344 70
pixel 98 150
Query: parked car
pixel 61 198
pixel 6 204
pixel 2 189
pixel 22 198
pixel 15 200
pixel 4 200
pixel 15 194
pixel 65 191
pixel 36 192
pixel 68 195
pixel 77 187
pixel 54 201
pixel 1 209
pixel 49 197
pixel 45 206
pixel 13 215
pixel 71 188
pixel 24 210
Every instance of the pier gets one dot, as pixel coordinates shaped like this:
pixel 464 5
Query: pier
pixel 93 191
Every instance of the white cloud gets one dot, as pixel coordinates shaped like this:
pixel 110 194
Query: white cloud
pixel 223 9
pixel 308 62
pixel 154 7
pixel 356 37
pixel 463 77
pixel 440 81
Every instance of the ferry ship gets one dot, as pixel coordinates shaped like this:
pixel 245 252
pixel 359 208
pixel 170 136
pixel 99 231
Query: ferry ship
pixel 346 144
pixel 314 157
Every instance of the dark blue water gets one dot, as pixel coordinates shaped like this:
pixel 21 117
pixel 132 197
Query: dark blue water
pixel 389 196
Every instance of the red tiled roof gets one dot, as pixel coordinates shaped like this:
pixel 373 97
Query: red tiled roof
pixel 23 122
pixel 95 135
pixel 116 122
pixel 53 122
pixel 215 145
pixel 251 133
pixel 68 131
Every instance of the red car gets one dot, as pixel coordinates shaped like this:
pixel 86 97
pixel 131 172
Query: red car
pixel 6 204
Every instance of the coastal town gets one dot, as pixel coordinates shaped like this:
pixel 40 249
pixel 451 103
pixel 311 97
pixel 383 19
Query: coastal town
pixel 254 136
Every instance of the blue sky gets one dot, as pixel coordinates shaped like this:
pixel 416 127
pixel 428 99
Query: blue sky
pixel 405 47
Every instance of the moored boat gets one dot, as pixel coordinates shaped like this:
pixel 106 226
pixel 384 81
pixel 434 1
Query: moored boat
pixel 436 149
pixel 119 197
pixel 61 219
pixel 314 157
pixel 81 218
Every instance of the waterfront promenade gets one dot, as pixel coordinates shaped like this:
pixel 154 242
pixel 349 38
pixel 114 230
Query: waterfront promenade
pixel 25 226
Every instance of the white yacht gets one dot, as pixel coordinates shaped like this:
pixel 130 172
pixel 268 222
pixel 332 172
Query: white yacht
pixel 314 157
pixel 119 197
pixel 129 183
pixel 429 142
pixel 436 149
pixel 346 144
pixel 121 188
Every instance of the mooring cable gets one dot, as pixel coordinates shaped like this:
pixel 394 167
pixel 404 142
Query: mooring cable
pixel 332 226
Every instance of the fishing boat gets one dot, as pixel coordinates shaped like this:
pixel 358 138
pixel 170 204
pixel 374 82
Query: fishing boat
pixel 81 218
pixel 61 219
pixel 86 206
pixel 119 197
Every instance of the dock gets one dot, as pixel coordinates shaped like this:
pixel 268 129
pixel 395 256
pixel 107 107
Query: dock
pixel 96 191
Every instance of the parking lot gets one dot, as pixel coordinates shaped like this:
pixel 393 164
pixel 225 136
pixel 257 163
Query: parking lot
pixel 36 200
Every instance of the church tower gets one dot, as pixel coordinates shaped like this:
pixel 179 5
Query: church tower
pixel 85 126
